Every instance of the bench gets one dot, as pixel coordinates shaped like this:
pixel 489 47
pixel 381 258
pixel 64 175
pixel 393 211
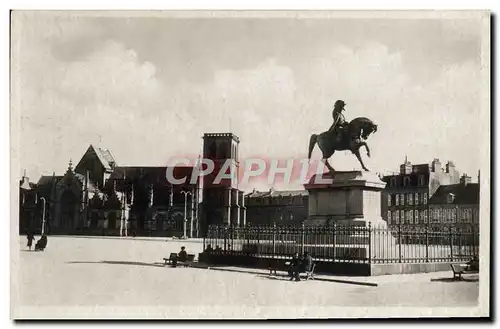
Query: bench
pixel 278 265
pixel 188 262
pixel 170 258
pixel 458 270
pixel 310 274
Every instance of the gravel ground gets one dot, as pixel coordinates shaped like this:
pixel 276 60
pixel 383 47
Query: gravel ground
pixel 104 277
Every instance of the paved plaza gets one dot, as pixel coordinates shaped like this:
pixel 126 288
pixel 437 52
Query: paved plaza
pixel 84 273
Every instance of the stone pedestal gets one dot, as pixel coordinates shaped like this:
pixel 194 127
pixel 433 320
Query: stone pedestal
pixel 345 198
pixel 351 201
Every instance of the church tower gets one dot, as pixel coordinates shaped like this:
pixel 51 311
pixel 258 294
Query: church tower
pixel 222 200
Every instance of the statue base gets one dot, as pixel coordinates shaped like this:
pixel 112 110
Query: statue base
pixel 346 198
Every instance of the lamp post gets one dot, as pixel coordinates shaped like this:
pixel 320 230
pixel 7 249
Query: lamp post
pixel 186 193
pixel 43 214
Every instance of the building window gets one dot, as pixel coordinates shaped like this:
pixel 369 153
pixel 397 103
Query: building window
pixel 451 197
pixel 407 181
pixel 402 214
pixel 416 199
pixel 389 217
pixel 421 180
pixel 397 216
pixel 467 216
pixel 416 217
pixel 425 216
pixel 425 198
pixel 402 199
pixel 410 216
pixel 410 199
pixel 393 181
pixel 389 197
pixel 454 215
pixel 397 199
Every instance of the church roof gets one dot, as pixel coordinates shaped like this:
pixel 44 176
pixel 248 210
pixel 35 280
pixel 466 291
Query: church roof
pixel 104 156
pixel 150 174
pixel 44 180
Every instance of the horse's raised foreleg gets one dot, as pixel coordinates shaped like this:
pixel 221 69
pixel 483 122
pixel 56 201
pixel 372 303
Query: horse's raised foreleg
pixel 367 148
pixel 356 153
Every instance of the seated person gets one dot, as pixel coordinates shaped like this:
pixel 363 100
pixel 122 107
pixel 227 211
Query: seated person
pixel 209 248
pixel 473 264
pixel 183 256
pixel 42 243
pixel 294 263
pixel 305 266
pixel 218 248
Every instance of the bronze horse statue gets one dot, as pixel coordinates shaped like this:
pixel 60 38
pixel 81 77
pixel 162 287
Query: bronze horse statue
pixel 351 138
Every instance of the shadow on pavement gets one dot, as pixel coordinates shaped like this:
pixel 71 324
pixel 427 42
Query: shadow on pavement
pixel 465 279
pixel 279 277
pixel 110 262
pixel 286 278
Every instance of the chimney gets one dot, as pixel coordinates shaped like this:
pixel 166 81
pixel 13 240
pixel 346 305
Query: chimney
pixel 464 180
pixel 436 166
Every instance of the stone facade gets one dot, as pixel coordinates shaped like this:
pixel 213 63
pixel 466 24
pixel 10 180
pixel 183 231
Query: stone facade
pixel 456 205
pixel 280 207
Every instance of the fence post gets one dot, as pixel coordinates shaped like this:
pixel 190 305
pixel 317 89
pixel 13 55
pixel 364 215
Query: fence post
pixel 426 244
pixel 399 241
pixel 302 239
pixel 247 233
pixel 369 242
pixel 258 238
pixel 225 238
pixel 274 238
pixel 231 247
pixel 451 244
pixel 334 241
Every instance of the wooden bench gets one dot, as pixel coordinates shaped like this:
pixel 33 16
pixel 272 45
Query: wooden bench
pixel 286 266
pixel 310 274
pixel 278 266
pixel 170 258
pixel 188 262
pixel 459 269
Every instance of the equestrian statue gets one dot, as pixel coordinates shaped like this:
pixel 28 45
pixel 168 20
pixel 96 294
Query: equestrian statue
pixel 343 136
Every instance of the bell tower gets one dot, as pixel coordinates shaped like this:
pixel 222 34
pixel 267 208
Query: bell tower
pixel 222 200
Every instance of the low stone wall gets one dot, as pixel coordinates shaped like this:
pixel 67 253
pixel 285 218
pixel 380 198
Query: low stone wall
pixel 408 268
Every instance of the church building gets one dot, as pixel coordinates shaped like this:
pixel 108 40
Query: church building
pixel 97 197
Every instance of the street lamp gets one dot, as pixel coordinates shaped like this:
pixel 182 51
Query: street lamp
pixel 43 215
pixel 186 193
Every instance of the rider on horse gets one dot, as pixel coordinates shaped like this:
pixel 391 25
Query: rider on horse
pixel 339 121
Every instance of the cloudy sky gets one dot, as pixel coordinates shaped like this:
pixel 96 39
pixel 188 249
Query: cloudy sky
pixel 147 88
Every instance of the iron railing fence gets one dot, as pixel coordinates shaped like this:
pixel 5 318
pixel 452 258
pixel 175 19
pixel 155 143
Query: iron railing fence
pixel 347 243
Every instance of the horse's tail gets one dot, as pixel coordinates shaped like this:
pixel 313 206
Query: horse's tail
pixel 312 141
